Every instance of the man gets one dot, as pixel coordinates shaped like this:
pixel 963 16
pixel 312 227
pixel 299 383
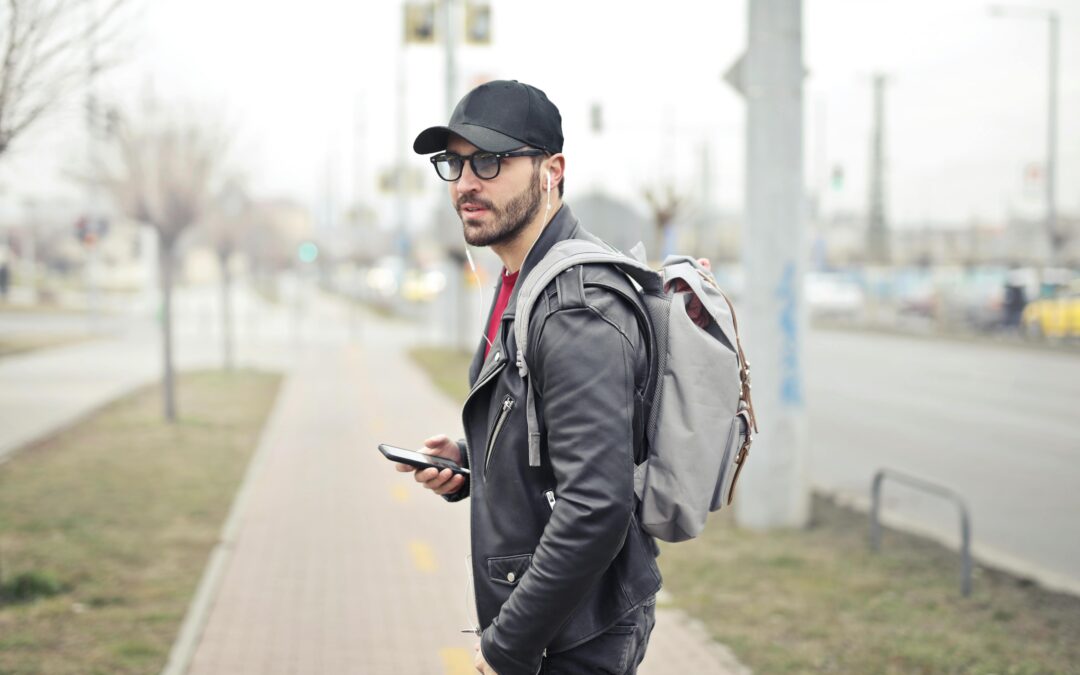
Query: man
pixel 565 578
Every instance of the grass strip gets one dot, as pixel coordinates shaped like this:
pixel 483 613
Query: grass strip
pixel 447 368
pixel 105 528
pixel 10 345
pixel 818 601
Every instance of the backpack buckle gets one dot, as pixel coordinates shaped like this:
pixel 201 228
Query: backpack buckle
pixel 744 449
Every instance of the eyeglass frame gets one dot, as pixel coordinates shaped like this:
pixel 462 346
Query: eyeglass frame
pixel 499 157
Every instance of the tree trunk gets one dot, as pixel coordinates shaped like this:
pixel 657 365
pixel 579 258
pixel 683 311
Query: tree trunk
pixel 165 261
pixel 226 311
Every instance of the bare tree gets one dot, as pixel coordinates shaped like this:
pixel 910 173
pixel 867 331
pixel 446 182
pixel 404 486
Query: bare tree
pixel 167 168
pixel 48 50
pixel 665 205
pixel 227 229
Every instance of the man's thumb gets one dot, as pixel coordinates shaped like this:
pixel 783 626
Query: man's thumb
pixel 436 441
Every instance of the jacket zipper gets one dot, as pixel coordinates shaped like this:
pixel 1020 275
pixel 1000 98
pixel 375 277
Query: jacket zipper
pixel 550 494
pixel 495 369
pixel 507 406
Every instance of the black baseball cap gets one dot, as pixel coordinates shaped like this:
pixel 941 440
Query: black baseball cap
pixel 499 116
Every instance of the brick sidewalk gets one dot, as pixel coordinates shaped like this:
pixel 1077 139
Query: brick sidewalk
pixel 337 564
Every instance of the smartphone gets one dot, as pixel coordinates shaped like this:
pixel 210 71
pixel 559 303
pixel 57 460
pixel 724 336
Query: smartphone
pixel 420 460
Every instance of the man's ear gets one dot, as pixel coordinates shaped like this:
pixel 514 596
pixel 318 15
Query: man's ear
pixel 556 164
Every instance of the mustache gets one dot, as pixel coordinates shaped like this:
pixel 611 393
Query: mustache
pixel 474 201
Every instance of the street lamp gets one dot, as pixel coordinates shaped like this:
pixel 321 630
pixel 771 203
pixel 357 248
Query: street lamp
pixel 1051 17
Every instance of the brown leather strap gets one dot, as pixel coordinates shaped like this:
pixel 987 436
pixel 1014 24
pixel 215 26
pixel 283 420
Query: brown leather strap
pixel 744 366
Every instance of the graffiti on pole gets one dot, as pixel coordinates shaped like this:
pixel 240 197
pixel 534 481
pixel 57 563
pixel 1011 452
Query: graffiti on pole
pixel 790 379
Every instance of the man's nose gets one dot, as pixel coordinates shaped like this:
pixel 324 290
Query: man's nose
pixel 468 182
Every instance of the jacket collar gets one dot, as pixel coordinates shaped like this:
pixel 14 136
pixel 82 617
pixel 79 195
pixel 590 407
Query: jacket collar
pixel 564 225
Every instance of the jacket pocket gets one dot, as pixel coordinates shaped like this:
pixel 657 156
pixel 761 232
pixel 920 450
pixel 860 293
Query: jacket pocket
pixel 508 570
pixel 507 406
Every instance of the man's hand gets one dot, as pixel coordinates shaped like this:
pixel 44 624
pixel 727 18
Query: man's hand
pixel 443 482
pixel 694 308
pixel 482 665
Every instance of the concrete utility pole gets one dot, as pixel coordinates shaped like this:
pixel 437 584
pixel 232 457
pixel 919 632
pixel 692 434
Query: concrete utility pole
pixel 1056 238
pixel 877 243
pixel 450 43
pixel 773 489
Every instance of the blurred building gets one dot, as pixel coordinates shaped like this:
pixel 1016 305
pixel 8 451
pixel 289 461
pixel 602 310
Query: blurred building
pixel 840 241
pixel 614 221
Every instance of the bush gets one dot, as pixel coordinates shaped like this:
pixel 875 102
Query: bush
pixel 29 586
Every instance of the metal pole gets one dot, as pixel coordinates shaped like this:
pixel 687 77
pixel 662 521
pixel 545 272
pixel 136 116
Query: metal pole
pixel 463 318
pixel 878 239
pixel 966 564
pixel 774 491
pixel 400 172
pixel 451 61
pixel 1056 239
pixel 94 213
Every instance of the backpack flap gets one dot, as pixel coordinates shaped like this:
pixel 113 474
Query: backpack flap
pixel 704 287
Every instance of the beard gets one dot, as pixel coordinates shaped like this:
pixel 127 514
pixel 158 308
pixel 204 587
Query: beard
pixel 507 222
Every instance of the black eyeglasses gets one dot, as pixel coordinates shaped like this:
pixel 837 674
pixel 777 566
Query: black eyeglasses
pixel 484 165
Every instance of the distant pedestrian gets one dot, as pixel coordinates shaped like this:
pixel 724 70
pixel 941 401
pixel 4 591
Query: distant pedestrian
pixel 565 577
pixel 1014 301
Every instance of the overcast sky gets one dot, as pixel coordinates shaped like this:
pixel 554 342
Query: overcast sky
pixel 312 88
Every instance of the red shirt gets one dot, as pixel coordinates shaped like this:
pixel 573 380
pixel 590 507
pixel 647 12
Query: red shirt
pixel 505 290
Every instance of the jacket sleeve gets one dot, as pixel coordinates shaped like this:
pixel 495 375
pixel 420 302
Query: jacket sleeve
pixel 584 376
pixel 464 491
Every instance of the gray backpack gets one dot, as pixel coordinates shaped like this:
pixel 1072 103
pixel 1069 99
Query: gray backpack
pixel 700 419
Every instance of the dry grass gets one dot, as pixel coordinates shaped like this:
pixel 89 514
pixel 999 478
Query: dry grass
pixel 818 601
pixel 122 511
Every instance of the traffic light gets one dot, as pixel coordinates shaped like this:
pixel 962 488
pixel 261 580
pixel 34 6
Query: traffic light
pixel 307 252
pixel 838 178
pixel 420 23
pixel 477 23
pixel 596 118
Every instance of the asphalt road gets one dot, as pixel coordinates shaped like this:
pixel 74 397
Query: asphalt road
pixel 998 424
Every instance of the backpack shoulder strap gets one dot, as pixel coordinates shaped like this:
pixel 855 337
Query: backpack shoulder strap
pixel 561 257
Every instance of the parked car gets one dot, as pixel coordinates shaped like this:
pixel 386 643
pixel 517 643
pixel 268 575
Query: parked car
pixel 834 296
pixel 1056 317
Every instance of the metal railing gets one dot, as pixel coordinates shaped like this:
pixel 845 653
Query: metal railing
pixel 926 486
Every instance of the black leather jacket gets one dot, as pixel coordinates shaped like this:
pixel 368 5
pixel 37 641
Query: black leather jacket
pixel 557 553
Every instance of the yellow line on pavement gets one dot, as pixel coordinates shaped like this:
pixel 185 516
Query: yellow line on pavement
pixel 423 558
pixel 456 661
pixel 400 493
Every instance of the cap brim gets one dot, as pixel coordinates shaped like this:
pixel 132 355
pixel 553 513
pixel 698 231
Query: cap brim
pixel 434 139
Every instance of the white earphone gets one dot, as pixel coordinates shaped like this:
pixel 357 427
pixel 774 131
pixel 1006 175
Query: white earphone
pixel 549 181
